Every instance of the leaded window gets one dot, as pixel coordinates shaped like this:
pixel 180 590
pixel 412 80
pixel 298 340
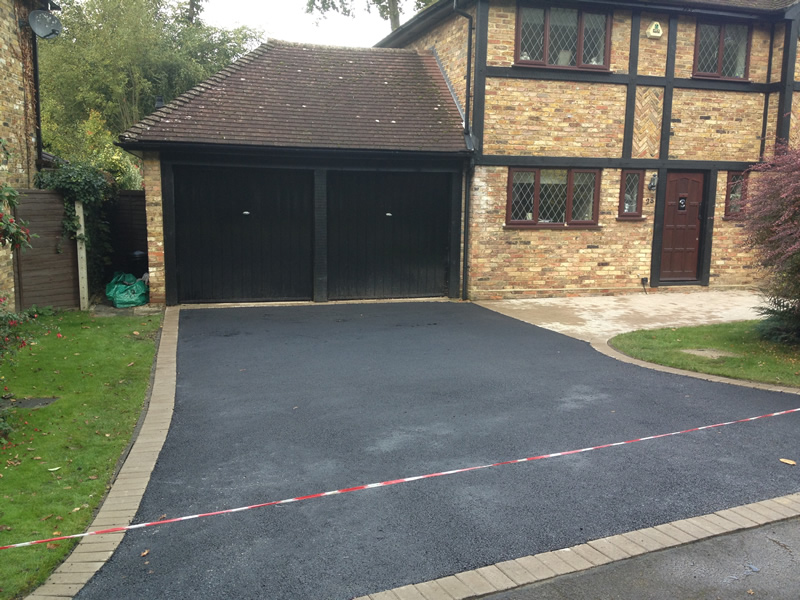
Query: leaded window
pixel 722 51
pixel 631 192
pixel 563 37
pixel 734 198
pixel 553 197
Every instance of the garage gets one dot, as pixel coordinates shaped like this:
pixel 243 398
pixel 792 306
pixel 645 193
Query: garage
pixel 248 234
pixel 304 173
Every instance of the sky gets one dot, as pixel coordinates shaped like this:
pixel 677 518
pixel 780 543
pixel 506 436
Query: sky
pixel 287 20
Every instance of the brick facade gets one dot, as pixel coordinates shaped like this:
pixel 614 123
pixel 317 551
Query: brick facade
pixel 17 114
pixel 155 226
pixel 547 118
pixel 571 119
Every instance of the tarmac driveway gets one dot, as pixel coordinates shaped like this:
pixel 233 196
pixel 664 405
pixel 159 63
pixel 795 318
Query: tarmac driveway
pixel 278 402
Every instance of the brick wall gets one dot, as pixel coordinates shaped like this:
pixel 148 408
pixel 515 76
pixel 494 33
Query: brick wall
pixel 759 53
pixel 515 263
pixel 502 33
pixel 713 125
pixel 450 41
pixel 17 114
pixel 732 265
pixel 558 118
pixel 621 42
pixel 653 52
pixel 647 124
pixel 777 52
pixel 155 226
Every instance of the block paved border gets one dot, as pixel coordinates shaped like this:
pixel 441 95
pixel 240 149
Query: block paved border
pixel 122 502
pixel 523 571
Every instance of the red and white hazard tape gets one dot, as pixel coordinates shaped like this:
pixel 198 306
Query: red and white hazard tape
pixel 393 482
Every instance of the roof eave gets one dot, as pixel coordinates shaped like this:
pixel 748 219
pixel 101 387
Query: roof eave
pixel 419 23
pixel 435 13
pixel 150 146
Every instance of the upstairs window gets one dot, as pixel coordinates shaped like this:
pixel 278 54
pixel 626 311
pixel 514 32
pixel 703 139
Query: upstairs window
pixel 553 197
pixel 722 51
pixel 563 37
pixel 734 198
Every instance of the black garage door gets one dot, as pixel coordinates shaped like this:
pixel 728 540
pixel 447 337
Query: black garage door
pixel 388 234
pixel 243 234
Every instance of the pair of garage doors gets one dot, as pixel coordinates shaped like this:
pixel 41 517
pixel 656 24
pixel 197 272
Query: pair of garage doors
pixel 249 234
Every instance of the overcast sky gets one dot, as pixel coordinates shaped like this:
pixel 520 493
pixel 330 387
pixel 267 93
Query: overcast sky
pixel 287 20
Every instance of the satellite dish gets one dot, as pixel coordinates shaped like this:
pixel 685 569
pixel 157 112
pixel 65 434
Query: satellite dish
pixel 45 24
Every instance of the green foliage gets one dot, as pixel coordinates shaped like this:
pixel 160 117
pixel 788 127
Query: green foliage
pixel 114 58
pixel 739 352
pixel 772 222
pixel 781 323
pixel 97 372
pixel 389 10
pixel 78 182
pixel 13 335
pixel 13 233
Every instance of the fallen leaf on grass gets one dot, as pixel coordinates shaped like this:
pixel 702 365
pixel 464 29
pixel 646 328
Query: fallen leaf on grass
pixel 56 533
pixel 52 546
pixel 92 477
pixel 45 518
pixel 5 528
pixel 130 364
pixel 135 333
pixel 145 553
pixel 54 469
pixel 787 461
pixel 76 509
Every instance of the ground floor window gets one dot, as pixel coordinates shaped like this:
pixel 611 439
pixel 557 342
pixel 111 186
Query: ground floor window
pixel 552 197
pixel 630 194
pixel 734 196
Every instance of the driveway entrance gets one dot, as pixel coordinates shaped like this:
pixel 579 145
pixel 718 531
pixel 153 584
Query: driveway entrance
pixel 275 403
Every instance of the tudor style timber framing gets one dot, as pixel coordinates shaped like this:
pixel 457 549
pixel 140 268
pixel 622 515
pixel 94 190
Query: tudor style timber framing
pixel 527 262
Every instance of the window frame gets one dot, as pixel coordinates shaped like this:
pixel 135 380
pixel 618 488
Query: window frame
pixel 568 223
pixel 637 215
pixel 718 75
pixel 730 215
pixel 579 64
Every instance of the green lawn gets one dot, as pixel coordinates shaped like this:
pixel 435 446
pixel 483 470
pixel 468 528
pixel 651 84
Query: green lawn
pixel 753 359
pixel 57 463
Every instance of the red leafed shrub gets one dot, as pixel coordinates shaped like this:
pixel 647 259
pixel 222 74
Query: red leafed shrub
pixel 772 221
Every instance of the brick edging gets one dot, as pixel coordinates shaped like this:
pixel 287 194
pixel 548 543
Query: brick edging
pixel 122 502
pixel 523 571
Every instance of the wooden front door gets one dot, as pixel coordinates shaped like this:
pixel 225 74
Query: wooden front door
pixel 682 227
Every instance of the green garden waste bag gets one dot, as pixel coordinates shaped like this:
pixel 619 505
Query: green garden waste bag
pixel 125 291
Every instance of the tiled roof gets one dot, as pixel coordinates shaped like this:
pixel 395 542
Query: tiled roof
pixel 304 96
pixel 752 5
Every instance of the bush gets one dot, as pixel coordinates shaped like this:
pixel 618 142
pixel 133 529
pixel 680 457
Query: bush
pixel 772 222
pixel 97 190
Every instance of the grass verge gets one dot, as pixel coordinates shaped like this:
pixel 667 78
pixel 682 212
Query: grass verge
pixel 57 463
pixel 736 351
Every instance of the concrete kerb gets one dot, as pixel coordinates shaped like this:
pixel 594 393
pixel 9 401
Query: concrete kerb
pixel 125 495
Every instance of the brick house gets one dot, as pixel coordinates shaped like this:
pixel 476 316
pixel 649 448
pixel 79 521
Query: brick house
pixel 602 148
pixel 611 137
pixel 18 108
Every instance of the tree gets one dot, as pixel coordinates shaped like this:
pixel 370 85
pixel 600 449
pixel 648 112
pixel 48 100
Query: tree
pixel 772 223
pixel 389 10
pixel 114 58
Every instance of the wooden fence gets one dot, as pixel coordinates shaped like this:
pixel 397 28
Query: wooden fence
pixel 50 273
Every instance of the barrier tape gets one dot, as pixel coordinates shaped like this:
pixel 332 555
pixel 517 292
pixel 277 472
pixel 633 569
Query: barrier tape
pixel 392 482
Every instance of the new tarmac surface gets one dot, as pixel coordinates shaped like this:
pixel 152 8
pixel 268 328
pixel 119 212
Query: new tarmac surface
pixel 277 402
